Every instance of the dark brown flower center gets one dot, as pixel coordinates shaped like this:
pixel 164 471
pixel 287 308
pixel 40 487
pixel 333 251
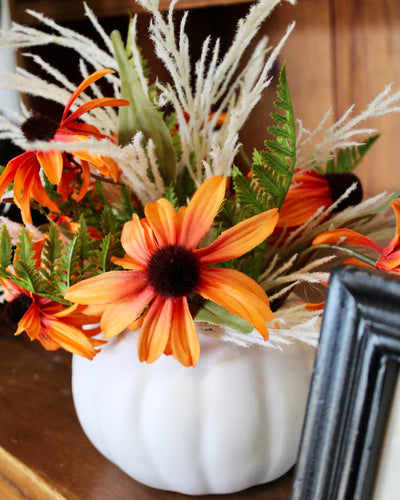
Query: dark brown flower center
pixel 39 127
pixel 173 271
pixel 339 183
pixel 16 309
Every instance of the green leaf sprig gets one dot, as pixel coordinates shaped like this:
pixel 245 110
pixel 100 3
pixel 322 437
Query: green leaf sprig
pixel 141 115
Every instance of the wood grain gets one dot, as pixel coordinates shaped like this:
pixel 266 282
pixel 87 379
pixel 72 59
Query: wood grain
pixel 367 54
pixel 44 453
pixel 19 481
pixel 309 67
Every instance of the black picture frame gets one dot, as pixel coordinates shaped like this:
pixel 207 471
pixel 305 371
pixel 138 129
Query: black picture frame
pixel 355 374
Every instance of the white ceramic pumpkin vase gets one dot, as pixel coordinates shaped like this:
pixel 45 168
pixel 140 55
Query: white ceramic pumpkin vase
pixel 232 422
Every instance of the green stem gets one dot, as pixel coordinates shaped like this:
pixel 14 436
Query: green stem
pixel 245 158
pixel 353 253
pixel 259 258
pixel 107 180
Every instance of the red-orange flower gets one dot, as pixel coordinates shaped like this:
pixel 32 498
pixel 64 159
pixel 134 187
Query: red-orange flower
pixel 164 267
pixel 311 191
pixel 389 259
pixel 25 171
pixel 53 324
pixel 25 168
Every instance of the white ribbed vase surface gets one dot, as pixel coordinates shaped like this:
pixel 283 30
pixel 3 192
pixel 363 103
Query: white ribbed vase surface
pixel 232 422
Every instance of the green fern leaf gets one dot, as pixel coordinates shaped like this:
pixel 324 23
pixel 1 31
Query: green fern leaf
pixel 248 194
pixel 347 159
pixel 281 150
pixel 231 214
pixel 25 264
pixel 127 204
pixel 280 132
pixel 102 259
pixel 271 173
pixel 265 181
pixel 275 163
pixel 109 221
pixel 24 249
pixel 273 168
pixel 30 277
pixel 170 195
pixel 106 246
pixel 73 267
pixel 52 254
pixel 100 193
pixel 278 118
pixel 85 242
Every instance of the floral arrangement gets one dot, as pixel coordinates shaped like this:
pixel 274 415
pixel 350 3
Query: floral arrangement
pixel 147 220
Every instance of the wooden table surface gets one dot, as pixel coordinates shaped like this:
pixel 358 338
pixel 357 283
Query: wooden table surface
pixel 44 453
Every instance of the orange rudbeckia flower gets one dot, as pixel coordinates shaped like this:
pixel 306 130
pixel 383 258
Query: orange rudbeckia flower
pixel 311 191
pixel 164 267
pixel 389 259
pixel 53 324
pixel 25 168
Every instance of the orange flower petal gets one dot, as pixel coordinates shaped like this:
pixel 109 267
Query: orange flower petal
pixel 23 198
pixel 168 348
pixel 201 211
pixel 30 322
pixel 106 288
pixel 127 263
pixel 240 238
pixel 39 194
pixel 10 289
pixel 12 167
pixel 52 164
pixel 313 306
pixel 48 343
pixel 395 204
pixel 65 312
pixel 391 262
pixel 138 241
pixel 239 294
pixel 25 176
pixel 162 219
pixel 79 129
pixel 95 103
pixel 311 192
pixel 85 180
pixel 180 217
pixel 356 262
pixel 184 341
pixel 136 324
pixel 93 310
pixel 155 330
pixel 84 85
pixel 351 238
pixel 119 315
pixel 69 337
pixel 110 168
pixel 91 157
